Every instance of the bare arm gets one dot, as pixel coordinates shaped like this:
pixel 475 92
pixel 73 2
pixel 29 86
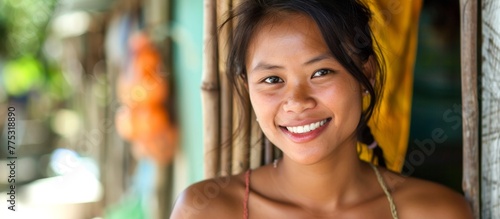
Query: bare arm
pixel 213 198
pixel 433 201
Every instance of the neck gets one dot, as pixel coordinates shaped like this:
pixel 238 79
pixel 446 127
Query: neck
pixel 324 185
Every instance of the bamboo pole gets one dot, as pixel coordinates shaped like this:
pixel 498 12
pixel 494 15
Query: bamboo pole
pixel 490 109
pixel 468 13
pixel 223 7
pixel 268 151
pixel 210 90
pixel 241 121
pixel 255 143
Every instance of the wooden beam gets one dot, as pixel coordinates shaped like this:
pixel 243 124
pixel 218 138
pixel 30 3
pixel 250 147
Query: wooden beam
pixel 226 88
pixel 470 110
pixel 210 90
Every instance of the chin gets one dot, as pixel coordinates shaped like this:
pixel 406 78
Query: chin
pixel 306 157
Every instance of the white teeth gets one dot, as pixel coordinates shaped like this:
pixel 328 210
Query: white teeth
pixel 306 128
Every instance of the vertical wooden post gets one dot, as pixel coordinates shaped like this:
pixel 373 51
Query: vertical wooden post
pixel 468 14
pixel 226 89
pixel 490 109
pixel 210 90
pixel 241 121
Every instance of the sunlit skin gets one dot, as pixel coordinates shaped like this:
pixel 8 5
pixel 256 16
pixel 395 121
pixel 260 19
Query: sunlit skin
pixel 293 80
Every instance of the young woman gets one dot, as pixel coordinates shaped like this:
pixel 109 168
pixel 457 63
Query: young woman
pixel 308 67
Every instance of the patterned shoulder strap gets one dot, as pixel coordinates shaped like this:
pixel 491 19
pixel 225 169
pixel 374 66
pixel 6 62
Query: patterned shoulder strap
pixel 386 191
pixel 247 191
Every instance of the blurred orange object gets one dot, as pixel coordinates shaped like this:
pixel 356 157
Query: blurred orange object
pixel 160 147
pixel 150 121
pixel 124 123
pixel 143 90
pixel 143 83
pixel 141 122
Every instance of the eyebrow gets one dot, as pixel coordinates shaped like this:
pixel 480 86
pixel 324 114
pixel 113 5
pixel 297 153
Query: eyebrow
pixel 318 58
pixel 267 66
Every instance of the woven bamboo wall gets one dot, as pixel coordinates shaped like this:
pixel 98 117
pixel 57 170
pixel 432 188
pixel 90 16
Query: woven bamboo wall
pixel 225 152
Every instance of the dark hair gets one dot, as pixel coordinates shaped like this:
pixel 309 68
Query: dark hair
pixel 344 26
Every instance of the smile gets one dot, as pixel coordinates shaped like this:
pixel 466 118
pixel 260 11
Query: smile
pixel 306 128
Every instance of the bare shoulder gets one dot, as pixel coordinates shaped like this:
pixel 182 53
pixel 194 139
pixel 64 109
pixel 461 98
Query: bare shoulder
pixel 416 198
pixel 220 197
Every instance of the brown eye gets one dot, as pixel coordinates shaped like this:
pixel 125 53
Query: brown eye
pixel 321 72
pixel 272 80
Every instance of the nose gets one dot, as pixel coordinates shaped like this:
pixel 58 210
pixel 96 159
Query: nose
pixel 298 99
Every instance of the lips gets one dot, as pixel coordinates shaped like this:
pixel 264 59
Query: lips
pixel 306 128
pixel 307 132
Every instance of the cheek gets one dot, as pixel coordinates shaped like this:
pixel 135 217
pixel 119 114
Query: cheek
pixel 344 100
pixel 260 103
pixel 265 108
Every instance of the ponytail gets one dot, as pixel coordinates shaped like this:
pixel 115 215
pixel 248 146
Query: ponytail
pixel 367 138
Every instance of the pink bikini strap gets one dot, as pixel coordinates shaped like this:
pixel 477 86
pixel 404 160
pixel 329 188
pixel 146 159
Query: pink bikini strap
pixel 247 191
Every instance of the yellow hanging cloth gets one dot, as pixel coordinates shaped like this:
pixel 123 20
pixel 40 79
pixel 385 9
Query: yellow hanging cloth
pixel 395 27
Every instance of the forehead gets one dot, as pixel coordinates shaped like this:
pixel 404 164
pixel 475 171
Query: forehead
pixel 283 24
pixel 285 34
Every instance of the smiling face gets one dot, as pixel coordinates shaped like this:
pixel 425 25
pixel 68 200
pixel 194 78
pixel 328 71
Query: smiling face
pixel 306 103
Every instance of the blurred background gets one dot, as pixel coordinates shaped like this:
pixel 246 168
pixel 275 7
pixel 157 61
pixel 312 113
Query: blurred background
pixel 108 108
